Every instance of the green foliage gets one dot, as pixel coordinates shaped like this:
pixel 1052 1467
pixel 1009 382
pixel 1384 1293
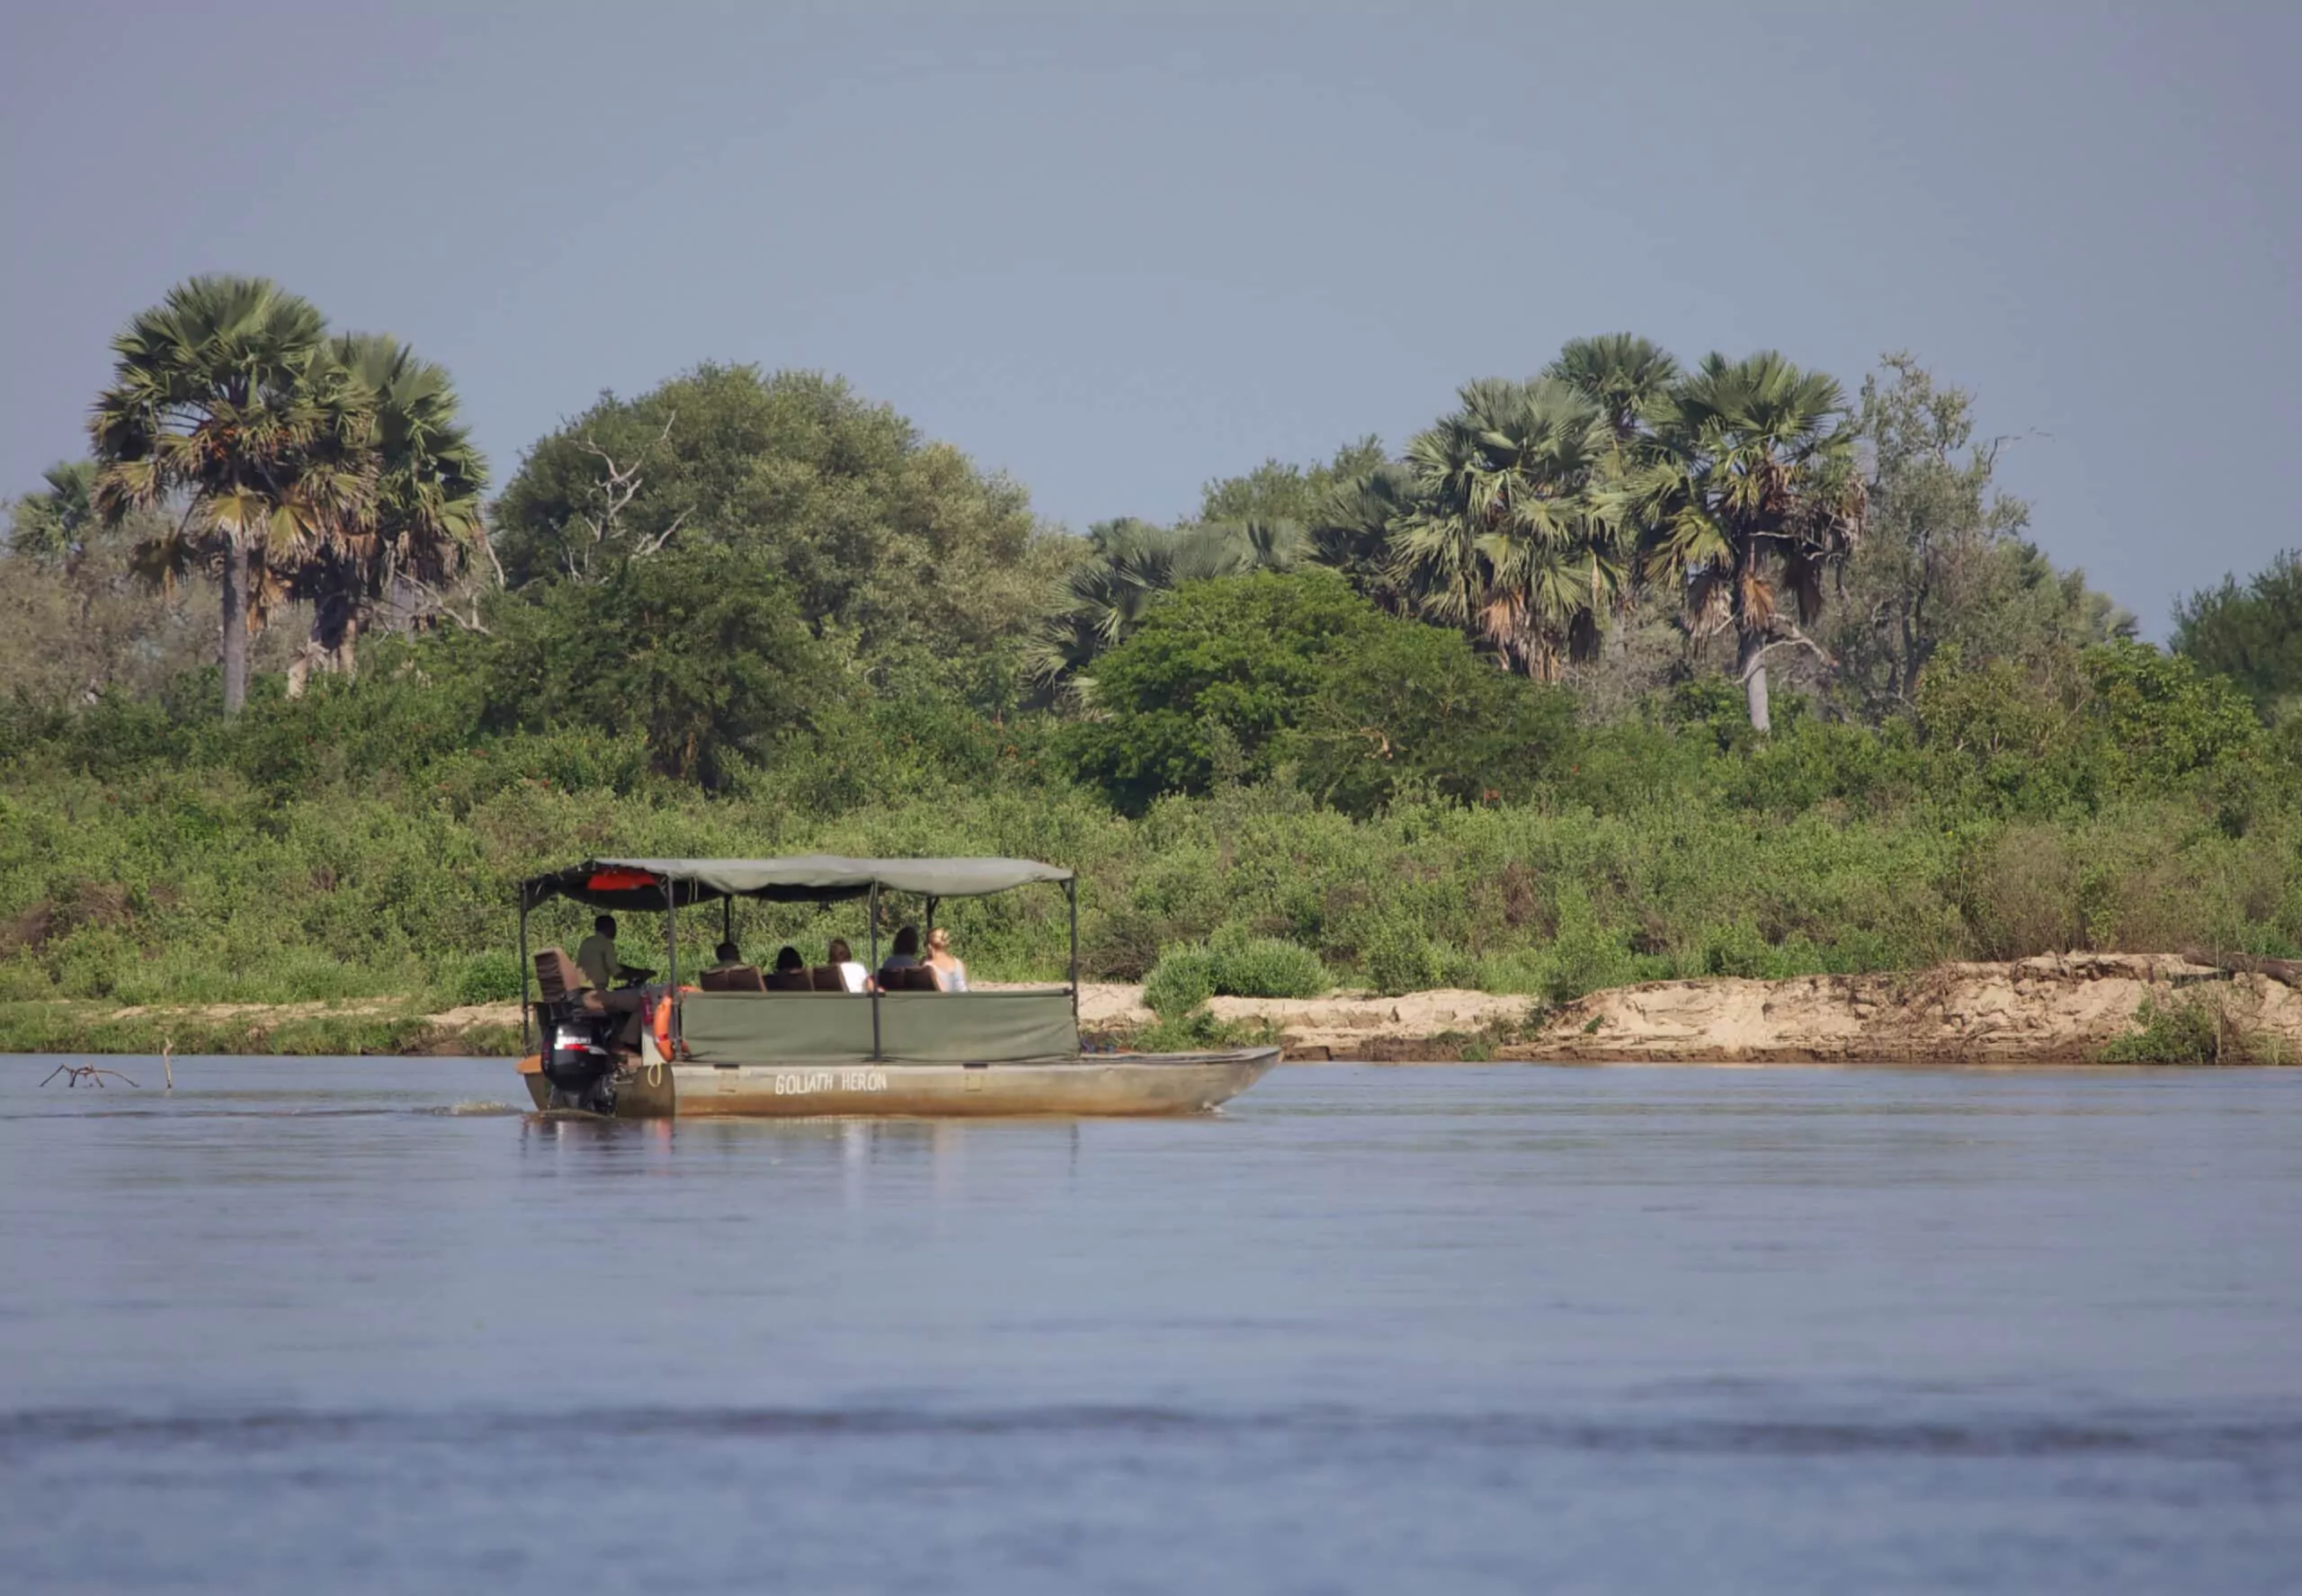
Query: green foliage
pixel 2078 729
pixel 2194 1028
pixel 1411 707
pixel 2252 634
pixel 1183 979
pixel 53 523
pixel 1503 535
pixel 895 548
pixel 1941 561
pixel 699 653
pixel 1276 491
pixel 1248 965
pixel 1220 668
pixel 1232 963
pixel 1127 567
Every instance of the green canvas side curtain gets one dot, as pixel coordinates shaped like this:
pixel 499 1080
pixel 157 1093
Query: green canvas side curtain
pixel 655 884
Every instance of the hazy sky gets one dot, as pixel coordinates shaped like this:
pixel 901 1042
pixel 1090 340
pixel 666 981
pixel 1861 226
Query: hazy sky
pixel 1119 250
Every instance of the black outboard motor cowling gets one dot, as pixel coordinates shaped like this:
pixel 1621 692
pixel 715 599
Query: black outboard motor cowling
pixel 578 1062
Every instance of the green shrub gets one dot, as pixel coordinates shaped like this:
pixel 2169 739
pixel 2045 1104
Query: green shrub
pixel 1399 958
pixel 1264 966
pixel 1585 956
pixel 2194 1028
pixel 1182 980
pixel 1231 964
pixel 489 976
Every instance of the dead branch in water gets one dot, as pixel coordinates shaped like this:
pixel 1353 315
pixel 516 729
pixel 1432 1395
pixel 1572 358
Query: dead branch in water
pixel 75 1073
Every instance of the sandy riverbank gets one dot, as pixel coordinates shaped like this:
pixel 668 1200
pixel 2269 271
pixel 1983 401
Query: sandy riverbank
pixel 2062 1009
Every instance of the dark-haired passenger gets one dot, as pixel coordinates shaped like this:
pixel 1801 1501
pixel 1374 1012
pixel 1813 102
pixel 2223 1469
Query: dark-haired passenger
pixel 791 973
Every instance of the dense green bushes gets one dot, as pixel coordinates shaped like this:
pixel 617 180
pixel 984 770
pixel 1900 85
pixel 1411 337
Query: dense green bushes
pixel 1233 963
pixel 364 843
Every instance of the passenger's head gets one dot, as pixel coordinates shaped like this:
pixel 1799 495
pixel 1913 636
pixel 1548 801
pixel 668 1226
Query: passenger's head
pixel 788 959
pixel 728 953
pixel 939 941
pixel 604 925
pixel 840 952
pixel 908 941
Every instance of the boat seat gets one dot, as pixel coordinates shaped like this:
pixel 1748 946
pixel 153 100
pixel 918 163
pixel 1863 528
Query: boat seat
pixel 742 977
pixel 914 978
pixel 788 981
pixel 557 977
pixel 825 977
pixel 713 980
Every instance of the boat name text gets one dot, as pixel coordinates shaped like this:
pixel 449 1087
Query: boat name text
pixel 801 1083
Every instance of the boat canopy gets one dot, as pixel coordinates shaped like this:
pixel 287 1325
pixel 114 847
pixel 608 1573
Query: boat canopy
pixel 656 884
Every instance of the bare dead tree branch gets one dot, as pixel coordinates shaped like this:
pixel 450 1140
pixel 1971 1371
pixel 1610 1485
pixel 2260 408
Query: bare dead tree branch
pixel 1796 639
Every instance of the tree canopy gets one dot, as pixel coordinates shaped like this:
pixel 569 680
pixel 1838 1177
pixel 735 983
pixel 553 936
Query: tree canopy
pixel 2249 633
pixel 892 547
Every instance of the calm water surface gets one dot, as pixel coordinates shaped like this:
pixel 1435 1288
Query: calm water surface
pixel 341 1325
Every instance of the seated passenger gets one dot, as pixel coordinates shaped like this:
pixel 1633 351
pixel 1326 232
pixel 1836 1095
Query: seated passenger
pixel 851 973
pixel 904 955
pixel 790 974
pixel 951 975
pixel 729 957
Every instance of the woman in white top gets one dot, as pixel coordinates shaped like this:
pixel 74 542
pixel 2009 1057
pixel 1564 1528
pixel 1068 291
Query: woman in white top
pixel 951 975
pixel 842 959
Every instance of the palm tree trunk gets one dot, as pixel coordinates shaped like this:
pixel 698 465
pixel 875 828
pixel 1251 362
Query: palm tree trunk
pixel 1750 662
pixel 235 623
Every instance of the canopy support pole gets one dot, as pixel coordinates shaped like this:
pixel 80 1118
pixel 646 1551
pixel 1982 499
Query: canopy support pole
pixel 872 912
pixel 930 918
pixel 672 952
pixel 727 919
pixel 1071 894
pixel 525 969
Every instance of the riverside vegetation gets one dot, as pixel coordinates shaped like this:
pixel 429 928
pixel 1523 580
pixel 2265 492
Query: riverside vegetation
pixel 1622 672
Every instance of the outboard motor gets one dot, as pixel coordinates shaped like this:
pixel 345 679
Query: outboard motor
pixel 576 1060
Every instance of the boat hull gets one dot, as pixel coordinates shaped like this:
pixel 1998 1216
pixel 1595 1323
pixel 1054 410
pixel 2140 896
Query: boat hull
pixel 1093 1084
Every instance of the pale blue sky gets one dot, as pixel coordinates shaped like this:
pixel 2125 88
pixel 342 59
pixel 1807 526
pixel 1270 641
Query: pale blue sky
pixel 1117 250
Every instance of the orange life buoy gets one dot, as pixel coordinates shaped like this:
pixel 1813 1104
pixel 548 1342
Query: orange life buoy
pixel 664 1022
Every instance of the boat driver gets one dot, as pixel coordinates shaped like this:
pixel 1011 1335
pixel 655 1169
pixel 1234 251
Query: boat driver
pixel 596 956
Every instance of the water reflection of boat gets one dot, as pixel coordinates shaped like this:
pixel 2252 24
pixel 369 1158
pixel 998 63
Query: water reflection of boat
pixel 827 1051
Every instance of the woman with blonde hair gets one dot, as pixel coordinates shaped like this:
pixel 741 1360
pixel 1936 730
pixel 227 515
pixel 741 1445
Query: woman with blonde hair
pixel 951 975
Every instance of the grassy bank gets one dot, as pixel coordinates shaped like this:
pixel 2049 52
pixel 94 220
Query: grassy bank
pixel 200 887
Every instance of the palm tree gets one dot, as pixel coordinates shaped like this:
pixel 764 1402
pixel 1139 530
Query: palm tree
pixel 1748 495
pixel 425 516
pixel 53 523
pixel 1622 373
pixel 1352 526
pixel 1500 537
pixel 1129 566
pixel 226 409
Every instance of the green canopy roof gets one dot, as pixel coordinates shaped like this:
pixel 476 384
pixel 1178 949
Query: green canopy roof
pixel 807 878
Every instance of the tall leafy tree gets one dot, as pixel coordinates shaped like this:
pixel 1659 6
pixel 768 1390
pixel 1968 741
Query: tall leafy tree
pixel 1942 562
pixel 2252 634
pixel 226 410
pixel 1500 537
pixel 425 515
pixel 1748 496
pixel 898 549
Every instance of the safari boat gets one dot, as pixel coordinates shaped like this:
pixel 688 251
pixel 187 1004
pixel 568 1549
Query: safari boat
pixel 825 1050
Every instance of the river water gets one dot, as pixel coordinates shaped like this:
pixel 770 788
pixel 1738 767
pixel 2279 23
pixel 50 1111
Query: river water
pixel 342 1325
